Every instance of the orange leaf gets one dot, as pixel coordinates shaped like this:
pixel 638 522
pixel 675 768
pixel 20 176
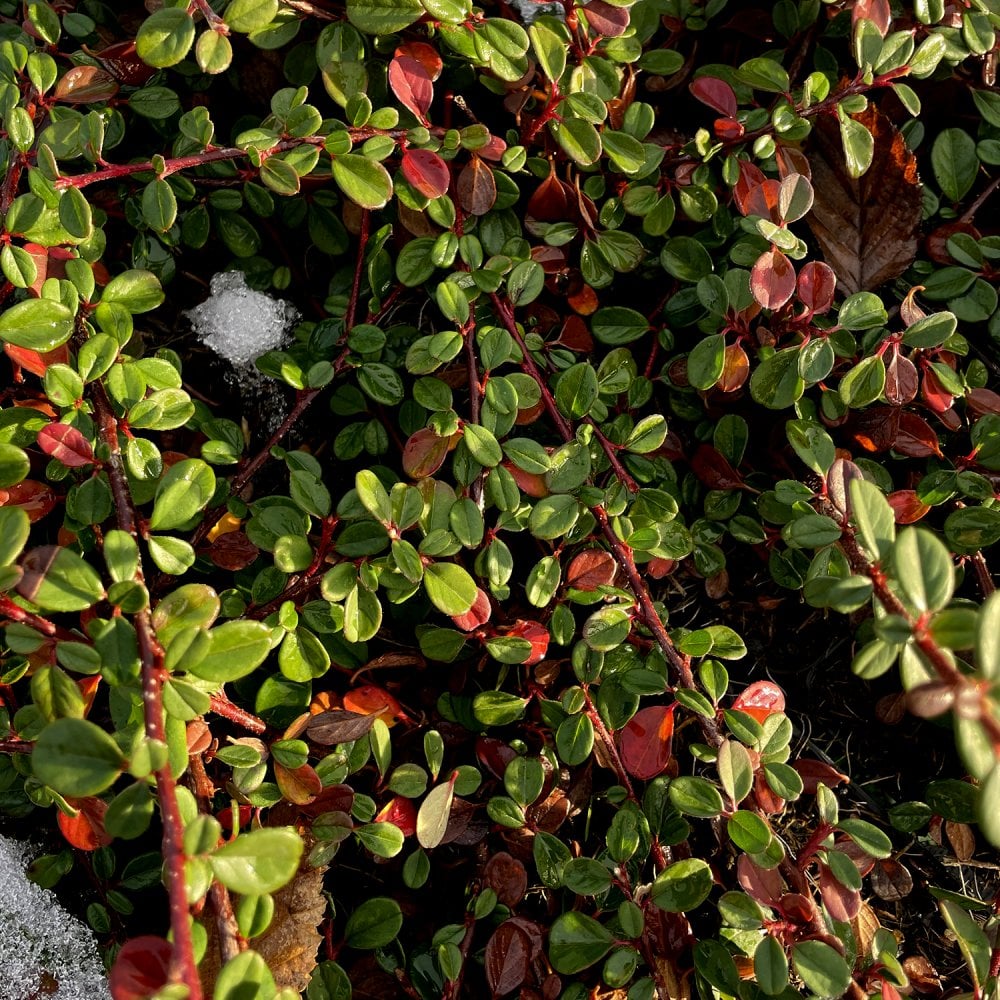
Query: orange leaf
pixel 646 741
pixel 760 699
pixel 85 830
pixel 369 699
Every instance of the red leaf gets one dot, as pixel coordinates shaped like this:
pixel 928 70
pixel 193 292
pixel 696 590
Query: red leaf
pixel 85 830
pixel 763 884
pixel 841 902
pixel 816 284
pixel 772 279
pixel 478 614
pixel 876 11
pixel 934 394
pixel 508 956
pixel 552 200
pixel 767 799
pixel 426 171
pixel 424 54
pixel 606 20
pixel 750 176
pixel 536 634
pixel 792 160
pixel 528 482
pixel 412 85
pixel 815 773
pixel 141 968
pixel 424 453
pixel 66 444
pixel 760 699
pixel 716 93
pixel 85 85
pixel 477 188
pixel 36 362
pixel 493 150
pixel 34 498
pixel 983 401
pixel 369 699
pixel 714 470
pixel 763 200
pixel 645 743
pixel 875 429
pixel 400 812
pixel 915 437
pixel 728 129
pixel 575 336
pixel 591 569
pixel 906 506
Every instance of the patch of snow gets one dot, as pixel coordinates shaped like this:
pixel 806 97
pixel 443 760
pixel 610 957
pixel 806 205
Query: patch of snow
pixel 37 935
pixel 238 323
pixel 530 9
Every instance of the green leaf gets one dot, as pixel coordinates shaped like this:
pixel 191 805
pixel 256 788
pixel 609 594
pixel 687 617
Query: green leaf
pixel 862 311
pixel 15 527
pixel 498 708
pixel 373 495
pixel 75 214
pixel 244 977
pixel 550 50
pixel 776 382
pixel 770 966
pixel 38 324
pixel 76 757
pixel 987 634
pixel 159 205
pixel 58 579
pixel 859 146
pixel 433 815
pixel 821 968
pixel 258 861
pixel 617 325
pixel 683 886
pixel 873 516
pixel 366 182
pixel 165 37
pixel 553 516
pixel 449 587
pixel 576 942
pixel 868 837
pixel 579 140
pixel 695 796
pixel 383 17
pixel 14 466
pixel 374 924
pixel 182 493
pixel 577 390
pixel 706 362
pixel 923 568
pixel 137 290
pixel 245 16
pixel 972 942
pixel 384 840
pixel 482 444
pixel 955 164
pixel 764 74
pixel 575 739
pixel 237 649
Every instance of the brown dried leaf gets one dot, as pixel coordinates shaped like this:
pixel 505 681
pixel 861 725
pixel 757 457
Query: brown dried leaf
pixel 891 880
pixel 961 838
pixel 864 926
pixel 507 877
pixel 866 226
pixel 290 943
pixel 923 976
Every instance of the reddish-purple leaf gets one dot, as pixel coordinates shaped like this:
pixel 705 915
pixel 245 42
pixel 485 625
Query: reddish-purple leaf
pixel 477 188
pixel 714 470
pixel 763 884
pixel 901 378
pixel 141 968
pixel 772 279
pixel 841 903
pixel 605 19
pixel 982 401
pixel 876 11
pixel 67 444
pixel 412 85
pixel 508 958
pixel 646 742
pixel 424 453
pixel 123 63
pixel 507 877
pixel 233 551
pixel 34 498
pixel 716 93
pixel 815 773
pixel 426 171
pixel 816 284
pixel 915 437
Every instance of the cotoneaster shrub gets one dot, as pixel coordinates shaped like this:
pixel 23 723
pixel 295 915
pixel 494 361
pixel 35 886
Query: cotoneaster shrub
pixel 597 304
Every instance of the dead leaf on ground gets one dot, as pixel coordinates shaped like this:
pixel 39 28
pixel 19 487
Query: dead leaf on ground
pixel 866 226
pixel 290 943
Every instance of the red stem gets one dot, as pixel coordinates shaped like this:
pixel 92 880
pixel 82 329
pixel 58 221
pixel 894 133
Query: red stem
pixel 183 967
pixel 221 705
